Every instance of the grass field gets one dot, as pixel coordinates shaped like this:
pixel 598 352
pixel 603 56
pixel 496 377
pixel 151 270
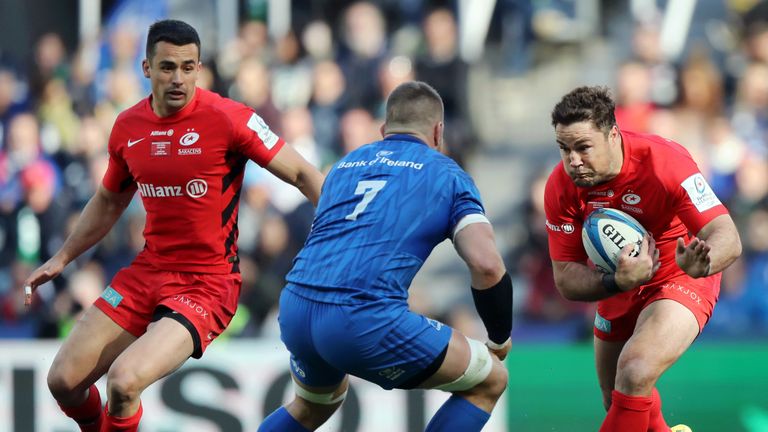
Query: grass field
pixel 713 388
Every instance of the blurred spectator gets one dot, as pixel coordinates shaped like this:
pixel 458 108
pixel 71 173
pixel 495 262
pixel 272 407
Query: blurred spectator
pixel 634 108
pixel 11 102
pixel 317 39
pixel 291 74
pixel 327 104
pixel 440 66
pixel 750 117
pixel 357 128
pixel 361 52
pixel 252 87
pixel 50 62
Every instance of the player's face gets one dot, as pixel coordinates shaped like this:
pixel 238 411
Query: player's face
pixel 173 71
pixel 589 156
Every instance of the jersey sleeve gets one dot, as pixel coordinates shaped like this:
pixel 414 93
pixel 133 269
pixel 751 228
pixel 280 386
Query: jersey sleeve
pixel 117 178
pixel 466 199
pixel 694 199
pixel 563 223
pixel 252 136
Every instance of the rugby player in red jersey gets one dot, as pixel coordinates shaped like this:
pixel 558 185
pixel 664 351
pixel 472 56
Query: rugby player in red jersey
pixel 655 305
pixel 184 149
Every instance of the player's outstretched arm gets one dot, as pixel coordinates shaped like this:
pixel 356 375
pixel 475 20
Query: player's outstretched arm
pixel 576 281
pixel 97 218
pixel 715 247
pixel 491 285
pixel 289 166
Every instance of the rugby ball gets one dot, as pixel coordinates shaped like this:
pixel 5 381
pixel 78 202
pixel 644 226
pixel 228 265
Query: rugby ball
pixel 605 232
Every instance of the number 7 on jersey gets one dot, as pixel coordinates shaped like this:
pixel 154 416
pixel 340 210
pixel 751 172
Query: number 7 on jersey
pixel 369 189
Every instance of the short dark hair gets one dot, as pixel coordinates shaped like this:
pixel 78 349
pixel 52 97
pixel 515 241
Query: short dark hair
pixel 172 31
pixel 414 103
pixel 592 104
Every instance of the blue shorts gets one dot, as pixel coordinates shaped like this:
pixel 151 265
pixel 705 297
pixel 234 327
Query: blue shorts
pixel 380 341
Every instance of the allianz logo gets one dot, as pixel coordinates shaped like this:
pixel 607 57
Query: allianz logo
pixel 194 188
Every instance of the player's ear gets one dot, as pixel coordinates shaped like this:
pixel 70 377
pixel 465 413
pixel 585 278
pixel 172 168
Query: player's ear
pixel 614 134
pixel 145 67
pixel 381 129
pixel 438 135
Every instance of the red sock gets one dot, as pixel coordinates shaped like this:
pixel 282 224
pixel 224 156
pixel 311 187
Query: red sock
pixel 627 413
pixel 656 421
pixel 88 414
pixel 121 424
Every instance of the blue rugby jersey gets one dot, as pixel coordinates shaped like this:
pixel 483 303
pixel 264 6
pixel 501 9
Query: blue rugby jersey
pixel 382 210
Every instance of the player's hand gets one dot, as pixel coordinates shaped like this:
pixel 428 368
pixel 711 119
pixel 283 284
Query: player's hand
pixel 633 271
pixel 500 351
pixel 694 258
pixel 52 268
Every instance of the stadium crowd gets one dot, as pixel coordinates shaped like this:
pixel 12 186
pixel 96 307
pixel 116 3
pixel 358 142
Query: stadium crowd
pixel 322 86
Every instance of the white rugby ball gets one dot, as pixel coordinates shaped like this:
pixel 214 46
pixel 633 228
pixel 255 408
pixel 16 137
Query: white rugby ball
pixel 605 232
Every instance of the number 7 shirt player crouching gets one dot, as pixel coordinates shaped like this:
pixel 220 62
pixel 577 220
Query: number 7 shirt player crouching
pixel 382 210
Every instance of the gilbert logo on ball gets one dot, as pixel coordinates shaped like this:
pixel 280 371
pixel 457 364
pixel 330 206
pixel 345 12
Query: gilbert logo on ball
pixel 605 232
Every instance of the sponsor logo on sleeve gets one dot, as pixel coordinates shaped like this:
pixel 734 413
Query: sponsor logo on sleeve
pixel 257 124
pixel 701 194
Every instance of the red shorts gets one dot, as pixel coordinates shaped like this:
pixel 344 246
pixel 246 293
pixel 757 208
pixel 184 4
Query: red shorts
pixel 616 316
pixel 140 294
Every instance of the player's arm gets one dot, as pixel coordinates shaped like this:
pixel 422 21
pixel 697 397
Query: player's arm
pixel 97 218
pixel 288 165
pixel 491 284
pixel 714 248
pixel 576 281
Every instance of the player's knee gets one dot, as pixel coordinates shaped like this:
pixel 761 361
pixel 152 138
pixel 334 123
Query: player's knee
pixel 122 384
pixel 635 374
pixel 64 387
pixel 60 387
pixel 485 374
pixel 496 382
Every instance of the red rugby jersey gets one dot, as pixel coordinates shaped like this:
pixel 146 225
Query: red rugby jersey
pixel 188 168
pixel 660 185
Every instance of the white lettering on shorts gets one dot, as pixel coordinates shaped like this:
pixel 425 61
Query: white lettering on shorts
pixel 686 292
pixel 191 304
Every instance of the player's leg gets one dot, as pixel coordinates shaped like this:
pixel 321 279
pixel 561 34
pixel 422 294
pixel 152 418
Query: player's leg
pixel 319 387
pixel 606 358
pixel 165 346
pixel 476 379
pixel 310 408
pixel 86 354
pixel 664 330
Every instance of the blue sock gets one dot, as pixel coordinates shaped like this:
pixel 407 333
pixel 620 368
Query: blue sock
pixel 281 421
pixel 458 415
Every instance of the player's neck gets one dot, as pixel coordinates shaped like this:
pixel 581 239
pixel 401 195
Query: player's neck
pixel 417 135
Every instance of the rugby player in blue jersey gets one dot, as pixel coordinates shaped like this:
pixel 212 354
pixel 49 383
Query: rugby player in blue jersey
pixel 382 210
